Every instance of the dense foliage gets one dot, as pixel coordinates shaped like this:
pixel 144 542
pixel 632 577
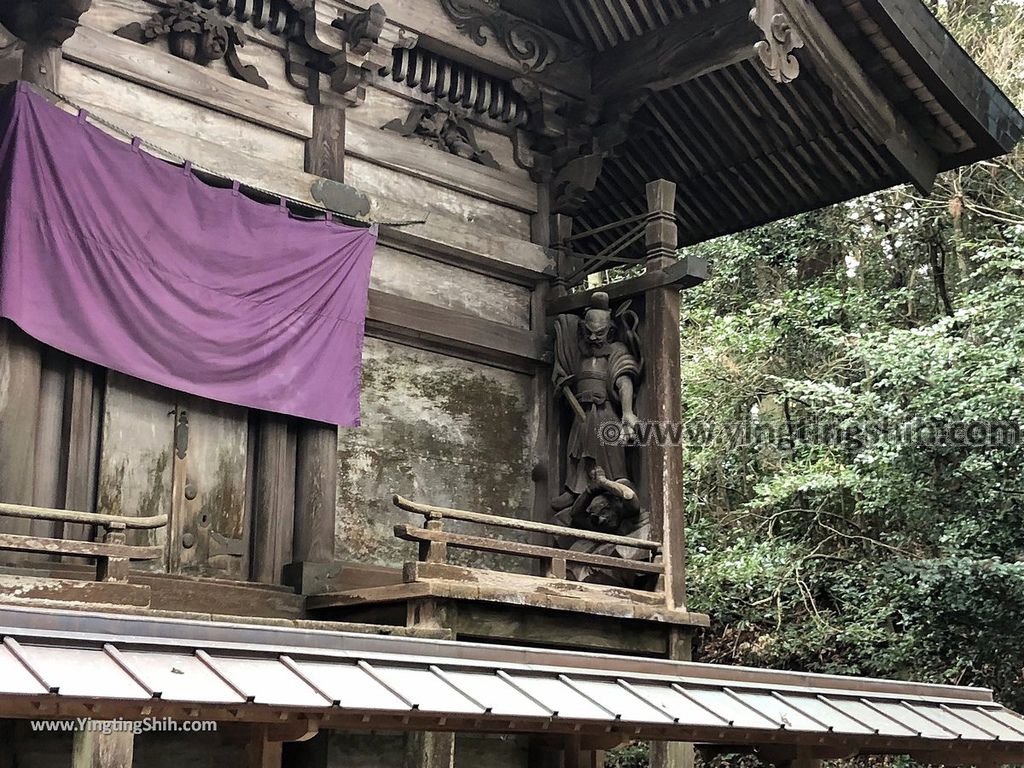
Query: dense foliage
pixel 853 387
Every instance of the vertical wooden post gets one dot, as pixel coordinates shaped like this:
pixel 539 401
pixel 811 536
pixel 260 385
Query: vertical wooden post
pixel 260 751
pixel 95 749
pixel 316 463
pixel 273 506
pixel 675 754
pixel 425 749
pixel 660 395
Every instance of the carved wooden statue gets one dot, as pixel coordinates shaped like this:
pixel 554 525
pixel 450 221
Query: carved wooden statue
pixel 596 371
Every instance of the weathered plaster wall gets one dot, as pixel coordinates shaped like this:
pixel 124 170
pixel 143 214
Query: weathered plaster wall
pixel 438 430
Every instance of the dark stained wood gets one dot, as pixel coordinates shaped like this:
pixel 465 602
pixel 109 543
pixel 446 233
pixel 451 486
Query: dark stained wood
pixel 83 406
pixel 325 150
pixel 860 96
pixel 661 492
pixel 683 50
pixel 682 273
pixel 316 460
pixel 316 486
pixel 534 626
pixel 260 751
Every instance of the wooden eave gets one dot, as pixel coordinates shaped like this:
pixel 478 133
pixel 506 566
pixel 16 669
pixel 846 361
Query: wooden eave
pixel 746 150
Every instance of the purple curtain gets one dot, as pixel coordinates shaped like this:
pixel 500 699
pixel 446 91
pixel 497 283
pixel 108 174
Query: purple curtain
pixel 132 263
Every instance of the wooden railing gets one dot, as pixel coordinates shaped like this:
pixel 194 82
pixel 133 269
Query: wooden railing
pixel 434 541
pixel 110 552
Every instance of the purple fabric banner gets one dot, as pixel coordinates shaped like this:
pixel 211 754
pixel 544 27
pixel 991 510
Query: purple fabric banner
pixel 117 257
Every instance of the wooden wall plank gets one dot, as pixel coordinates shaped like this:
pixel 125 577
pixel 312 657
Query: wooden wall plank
pixel 394 317
pixel 418 198
pixel 440 236
pixel 102 93
pixel 409 275
pixel 20 379
pixel 165 72
pixel 416 159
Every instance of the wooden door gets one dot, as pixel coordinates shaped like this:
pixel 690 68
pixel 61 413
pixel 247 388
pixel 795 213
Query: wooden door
pixel 164 452
pixel 208 489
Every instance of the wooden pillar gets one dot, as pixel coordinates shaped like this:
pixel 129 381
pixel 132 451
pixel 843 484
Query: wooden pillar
pixel 661 485
pixel 260 751
pixel 316 463
pixel 95 749
pixel 273 504
pixel 424 749
pixel 675 754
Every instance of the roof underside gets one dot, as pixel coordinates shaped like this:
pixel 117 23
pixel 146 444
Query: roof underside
pixel 62 663
pixel 745 150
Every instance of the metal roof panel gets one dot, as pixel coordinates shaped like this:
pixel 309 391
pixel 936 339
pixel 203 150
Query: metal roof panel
pixel 180 677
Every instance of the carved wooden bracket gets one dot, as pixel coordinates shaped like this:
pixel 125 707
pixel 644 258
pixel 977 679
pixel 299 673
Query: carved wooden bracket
pixel 533 46
pixel 195 34
pixel 326 70
pixel 781 39
pixel 442 129
pixel 565 141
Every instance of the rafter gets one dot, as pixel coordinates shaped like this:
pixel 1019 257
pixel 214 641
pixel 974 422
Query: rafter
pixel 859 96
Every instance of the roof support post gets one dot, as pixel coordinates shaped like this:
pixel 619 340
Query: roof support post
pixel 661 491
pixel 260 750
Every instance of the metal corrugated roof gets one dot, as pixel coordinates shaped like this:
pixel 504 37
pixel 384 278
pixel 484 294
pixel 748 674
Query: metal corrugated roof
pixel 57 660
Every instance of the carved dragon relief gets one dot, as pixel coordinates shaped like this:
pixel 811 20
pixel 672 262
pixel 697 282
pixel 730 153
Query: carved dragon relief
pixel 527 43
pixel 776 51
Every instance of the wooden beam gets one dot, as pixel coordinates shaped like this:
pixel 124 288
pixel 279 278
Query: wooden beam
pixel 859 96
pixel 167 73
pixel 11 542
pixel 660 400
pixel 410 321
pixel 681 51
pixel 519 549
pixel 684 273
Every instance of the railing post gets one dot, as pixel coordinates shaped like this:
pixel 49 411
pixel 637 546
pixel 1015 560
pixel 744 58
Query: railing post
pixel 554 567
pixel 433 551
pixel 112 568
